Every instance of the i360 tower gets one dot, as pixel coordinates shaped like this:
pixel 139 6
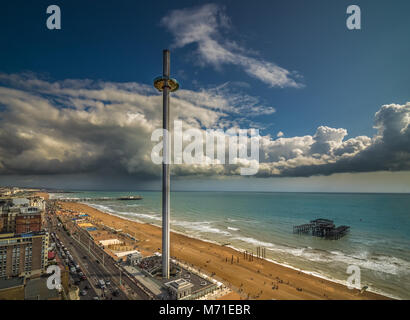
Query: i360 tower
pixel 165 84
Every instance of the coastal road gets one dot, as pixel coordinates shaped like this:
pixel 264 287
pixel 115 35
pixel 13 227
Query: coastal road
pixel 93 270
pixel 91 292
pixel 102 265
pixel 114 271
pixel 86 285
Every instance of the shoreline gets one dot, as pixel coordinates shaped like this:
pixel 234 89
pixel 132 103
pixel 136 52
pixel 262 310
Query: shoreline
pixel 313 286
pixel 310 273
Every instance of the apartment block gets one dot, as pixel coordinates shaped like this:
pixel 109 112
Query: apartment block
pixel 23 254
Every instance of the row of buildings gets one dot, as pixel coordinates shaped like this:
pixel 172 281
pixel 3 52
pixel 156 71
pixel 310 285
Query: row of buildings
pixel 23 241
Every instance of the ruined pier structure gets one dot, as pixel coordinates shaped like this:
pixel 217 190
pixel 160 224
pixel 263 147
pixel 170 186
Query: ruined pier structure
pixel 323 228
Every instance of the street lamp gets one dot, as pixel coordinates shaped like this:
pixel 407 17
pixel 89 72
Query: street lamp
pixel 165 84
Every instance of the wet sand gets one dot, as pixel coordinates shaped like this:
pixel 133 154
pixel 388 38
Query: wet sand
pixel 257 279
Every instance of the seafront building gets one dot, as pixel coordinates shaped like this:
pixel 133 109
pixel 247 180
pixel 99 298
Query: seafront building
pixel 29 220
pixel 19 215
pixel 179 289
pixel 183 284
pixel 23 242
pixel 23 255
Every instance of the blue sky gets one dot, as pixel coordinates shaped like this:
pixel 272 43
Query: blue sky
pixel 344 71
pixel 343 77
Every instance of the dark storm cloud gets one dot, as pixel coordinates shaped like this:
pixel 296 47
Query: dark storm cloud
pixel 79 126
pixel 83 126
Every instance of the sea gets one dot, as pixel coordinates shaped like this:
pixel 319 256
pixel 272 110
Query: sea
pixel 378 242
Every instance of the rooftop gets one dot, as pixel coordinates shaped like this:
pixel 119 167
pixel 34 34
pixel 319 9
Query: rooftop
pixel 179 284
pixel 36 289
pixel 179 274
pixel 22 235
pixel 11 283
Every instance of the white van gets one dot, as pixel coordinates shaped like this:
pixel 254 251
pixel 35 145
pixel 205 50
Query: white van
pixel 101 284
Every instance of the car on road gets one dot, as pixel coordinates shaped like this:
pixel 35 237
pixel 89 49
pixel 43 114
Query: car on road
pixel 84 257
pixel 101 284
pixel 83 292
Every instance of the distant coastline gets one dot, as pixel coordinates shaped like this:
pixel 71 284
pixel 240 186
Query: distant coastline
pixel 51 191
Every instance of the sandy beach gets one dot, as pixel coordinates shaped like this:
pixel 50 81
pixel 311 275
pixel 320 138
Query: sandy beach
pixel 257 279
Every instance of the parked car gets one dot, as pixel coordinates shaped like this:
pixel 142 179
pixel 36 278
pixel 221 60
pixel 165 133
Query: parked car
pixel 101 284
pixel 83 292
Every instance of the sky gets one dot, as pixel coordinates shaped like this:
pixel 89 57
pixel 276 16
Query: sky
pixel 332 106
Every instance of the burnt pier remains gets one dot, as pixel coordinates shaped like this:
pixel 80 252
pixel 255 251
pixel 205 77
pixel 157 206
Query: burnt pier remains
pixel 323 228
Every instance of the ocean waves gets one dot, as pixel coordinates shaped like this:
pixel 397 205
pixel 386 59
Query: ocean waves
pixel 135 215
pixel 379 263
pixel 376 244
pixel 200 226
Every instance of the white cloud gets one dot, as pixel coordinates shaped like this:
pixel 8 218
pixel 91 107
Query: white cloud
pixel 82 126
pixel 203 25
pixel 223 99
